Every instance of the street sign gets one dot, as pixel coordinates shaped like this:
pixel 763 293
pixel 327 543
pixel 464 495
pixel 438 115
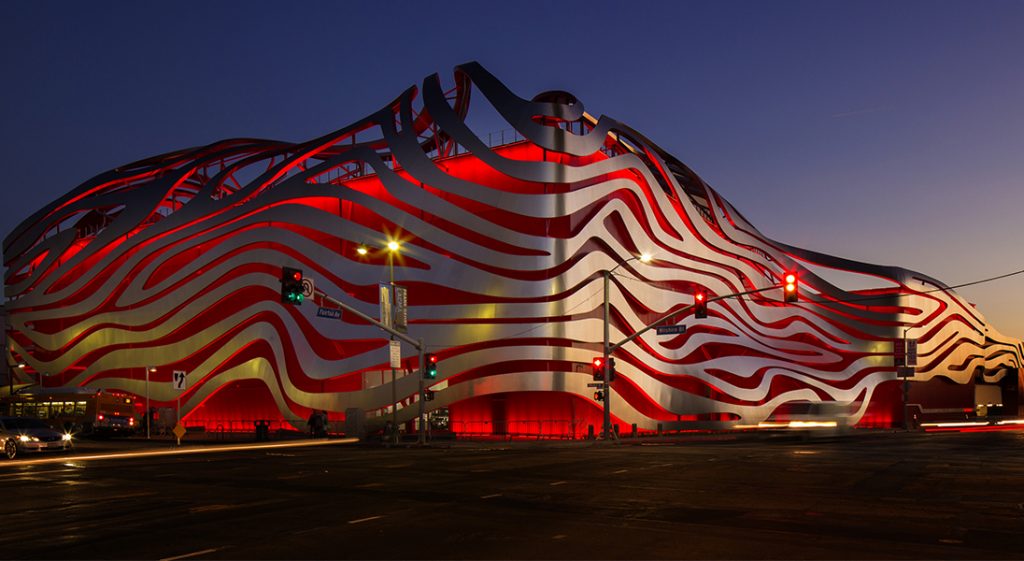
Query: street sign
pixel 180 380
pixel 911 352
pixel 905 372
pixel 179 431
pixel 385 304
pixel 899 352
pixel 396 354
pixel 307 287
pixel 401 313
pixel 328 313
pixel 670 329
pixel 596 385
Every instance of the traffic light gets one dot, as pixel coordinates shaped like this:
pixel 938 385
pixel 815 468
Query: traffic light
pixel 428 395
pixel 611 369
pixel 790 287
pixel 430 370
pixel 700 303
pixel 291 286
pixel 597 368
pixel 599 395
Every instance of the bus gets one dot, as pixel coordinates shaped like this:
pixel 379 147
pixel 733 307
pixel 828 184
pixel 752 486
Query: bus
pixel 81 410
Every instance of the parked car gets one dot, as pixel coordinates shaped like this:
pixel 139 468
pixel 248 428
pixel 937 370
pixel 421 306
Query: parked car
pixel 22 434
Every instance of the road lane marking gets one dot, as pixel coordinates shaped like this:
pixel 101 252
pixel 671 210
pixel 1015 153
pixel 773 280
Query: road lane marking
pixel 621 471
pixel 558 483
pixel 209 508
pixel 193 554
pixel 491 496
pixel 309 530
pixel 361 520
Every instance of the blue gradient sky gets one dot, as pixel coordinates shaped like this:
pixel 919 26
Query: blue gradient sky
pixel 889 132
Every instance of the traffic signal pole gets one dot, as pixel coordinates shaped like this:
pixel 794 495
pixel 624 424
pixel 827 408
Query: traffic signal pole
pixel 607 433
pixel 606 429
pixel 423 428
pixel 417 343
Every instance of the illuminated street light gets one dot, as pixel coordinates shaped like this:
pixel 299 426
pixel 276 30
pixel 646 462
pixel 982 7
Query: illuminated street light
pixel 606 431
pixel 149 418
pixel 392 247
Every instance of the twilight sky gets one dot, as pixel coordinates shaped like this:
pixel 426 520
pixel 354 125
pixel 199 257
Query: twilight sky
pixel 890 132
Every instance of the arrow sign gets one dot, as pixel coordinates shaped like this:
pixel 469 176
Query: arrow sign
pixel 671 329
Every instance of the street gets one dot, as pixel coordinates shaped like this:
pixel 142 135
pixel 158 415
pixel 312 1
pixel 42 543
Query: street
pixel 881 495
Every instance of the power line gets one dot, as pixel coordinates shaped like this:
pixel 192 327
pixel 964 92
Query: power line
pixel 877 297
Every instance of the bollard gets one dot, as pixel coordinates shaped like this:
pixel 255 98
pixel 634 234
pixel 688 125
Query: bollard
pixel 590 432
pixel 659 429
pixel 634 430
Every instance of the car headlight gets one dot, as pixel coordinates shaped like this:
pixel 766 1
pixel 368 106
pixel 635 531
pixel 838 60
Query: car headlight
pixel 65 437
pixel 27 438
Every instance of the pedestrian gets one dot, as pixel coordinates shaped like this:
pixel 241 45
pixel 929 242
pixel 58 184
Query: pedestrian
pixel 323 423
pixel 314 422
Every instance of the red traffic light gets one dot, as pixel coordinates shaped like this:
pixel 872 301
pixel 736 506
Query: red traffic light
pixel 297 276
pixel 432 359
pixel 597 368
pixel 700 303
pixel 789 288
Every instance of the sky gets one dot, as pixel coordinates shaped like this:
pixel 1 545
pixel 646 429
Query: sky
pixel 890 132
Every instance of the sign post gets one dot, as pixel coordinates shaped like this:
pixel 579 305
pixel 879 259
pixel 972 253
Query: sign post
pixel 180 382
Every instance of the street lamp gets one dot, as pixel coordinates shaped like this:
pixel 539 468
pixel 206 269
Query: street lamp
pixel 606 431
pixel 392 248
pixel 10 374
pixel 906 382
pixel 149 416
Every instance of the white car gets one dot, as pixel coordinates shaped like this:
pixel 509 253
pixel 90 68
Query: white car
pixel 22 434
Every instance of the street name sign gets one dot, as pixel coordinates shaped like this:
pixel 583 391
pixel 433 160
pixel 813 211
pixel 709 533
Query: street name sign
pixel 671 329
pixel 328 313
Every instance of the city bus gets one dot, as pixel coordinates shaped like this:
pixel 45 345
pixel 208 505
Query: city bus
pixel 81 410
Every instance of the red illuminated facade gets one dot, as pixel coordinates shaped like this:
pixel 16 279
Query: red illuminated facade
pixel 175 263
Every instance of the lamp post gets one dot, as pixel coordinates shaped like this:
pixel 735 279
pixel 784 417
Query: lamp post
pixel 10 374
pixel 906 384
pixel 392 247
pixel 149 415
pixel 606 430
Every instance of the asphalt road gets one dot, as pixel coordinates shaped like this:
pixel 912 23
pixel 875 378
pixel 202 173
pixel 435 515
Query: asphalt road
pixel 883 496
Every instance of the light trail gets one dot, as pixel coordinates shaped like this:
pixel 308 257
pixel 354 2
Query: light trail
pixel 178 452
